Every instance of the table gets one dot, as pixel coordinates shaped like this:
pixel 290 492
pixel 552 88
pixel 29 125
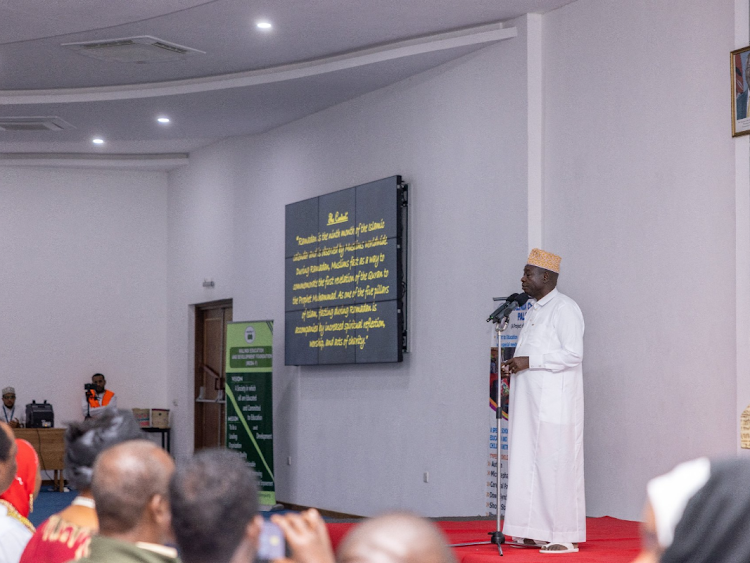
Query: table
pixel 49 444
pixel 166 436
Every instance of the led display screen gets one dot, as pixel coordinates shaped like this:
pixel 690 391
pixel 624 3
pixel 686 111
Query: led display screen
pixel 345 276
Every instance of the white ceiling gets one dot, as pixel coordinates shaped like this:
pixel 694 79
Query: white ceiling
pixel 318 54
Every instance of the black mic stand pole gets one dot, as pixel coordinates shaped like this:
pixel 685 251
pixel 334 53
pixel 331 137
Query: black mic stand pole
pixel 88 404
pixel 496 537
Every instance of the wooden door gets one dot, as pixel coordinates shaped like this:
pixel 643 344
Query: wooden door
pixel 210 372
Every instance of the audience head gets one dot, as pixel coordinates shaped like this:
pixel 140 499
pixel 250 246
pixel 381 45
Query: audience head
pixel 214 498
pixel 131 490
pixel 395 538
pixel 84 441
pixel 715 525
pixel 8 465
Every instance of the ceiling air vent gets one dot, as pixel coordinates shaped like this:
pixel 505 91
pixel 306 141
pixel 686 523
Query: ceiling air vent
pixel 33 124
pixel 142 49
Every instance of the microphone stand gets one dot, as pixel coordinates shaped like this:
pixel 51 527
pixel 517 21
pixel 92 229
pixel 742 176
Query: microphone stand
pixel 496 537
pixel 88 404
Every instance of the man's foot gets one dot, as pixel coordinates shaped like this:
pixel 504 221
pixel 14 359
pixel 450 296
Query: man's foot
pixel 526 542
pixel 559 548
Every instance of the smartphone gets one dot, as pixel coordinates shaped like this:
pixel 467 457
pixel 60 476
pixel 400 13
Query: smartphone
pixel 271 544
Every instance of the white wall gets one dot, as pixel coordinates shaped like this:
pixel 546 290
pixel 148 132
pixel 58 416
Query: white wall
pixel 742 225
pixel 201 245
pixel 83 281
pixel 640 200
pixel 361 437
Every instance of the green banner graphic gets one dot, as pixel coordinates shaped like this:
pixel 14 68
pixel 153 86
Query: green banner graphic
pixel 250 399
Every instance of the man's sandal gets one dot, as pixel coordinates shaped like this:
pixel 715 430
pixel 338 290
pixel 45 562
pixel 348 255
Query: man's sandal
pixel 559 548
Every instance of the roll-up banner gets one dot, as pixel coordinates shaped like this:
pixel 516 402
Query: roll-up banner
pixel 250 401
pixel 502 347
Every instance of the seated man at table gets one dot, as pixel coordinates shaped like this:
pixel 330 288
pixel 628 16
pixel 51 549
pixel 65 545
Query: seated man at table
pixel 9 408
pixel 98 399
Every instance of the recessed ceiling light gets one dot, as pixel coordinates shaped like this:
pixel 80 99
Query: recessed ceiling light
pixel 163 119
pixel 264 25
pixel 97 141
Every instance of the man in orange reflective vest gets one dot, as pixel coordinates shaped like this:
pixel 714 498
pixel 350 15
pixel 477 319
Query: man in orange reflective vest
pixel 98 398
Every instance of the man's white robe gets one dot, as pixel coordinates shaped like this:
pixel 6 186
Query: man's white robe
pixel 546 499
pixel 13 537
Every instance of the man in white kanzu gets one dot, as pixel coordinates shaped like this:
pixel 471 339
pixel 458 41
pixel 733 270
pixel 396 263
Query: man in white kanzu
pixel 9 408
pixel 14 528
pixel 546 503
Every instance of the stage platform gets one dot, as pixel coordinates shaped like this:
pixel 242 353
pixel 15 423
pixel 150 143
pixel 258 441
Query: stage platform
pixel 609 539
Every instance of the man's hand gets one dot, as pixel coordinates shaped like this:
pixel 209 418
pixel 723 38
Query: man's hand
pixel 14 423
pixel 514 365
pixel 307 536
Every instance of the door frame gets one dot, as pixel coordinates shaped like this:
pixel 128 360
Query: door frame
pixel 199 309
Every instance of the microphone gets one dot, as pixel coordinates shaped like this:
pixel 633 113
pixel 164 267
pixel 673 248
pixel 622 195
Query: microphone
pixel 508 299
pixel 511 302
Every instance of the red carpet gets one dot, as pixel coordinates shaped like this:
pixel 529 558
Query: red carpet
pixel 609 539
